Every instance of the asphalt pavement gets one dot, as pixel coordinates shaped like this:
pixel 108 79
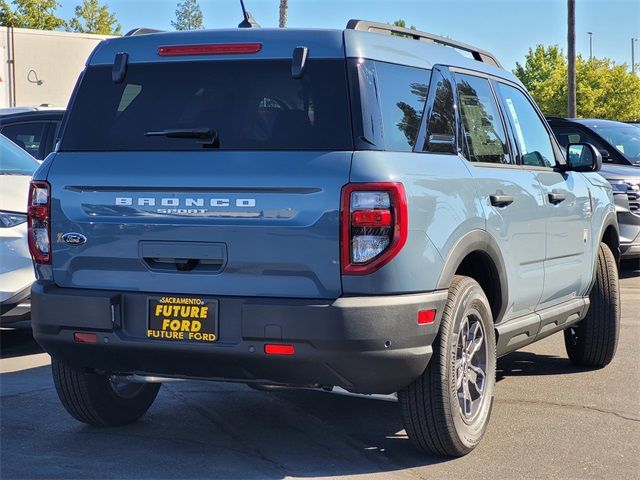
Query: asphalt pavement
pixel 550 420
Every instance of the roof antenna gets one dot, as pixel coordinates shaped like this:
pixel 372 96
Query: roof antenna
pixel 249 21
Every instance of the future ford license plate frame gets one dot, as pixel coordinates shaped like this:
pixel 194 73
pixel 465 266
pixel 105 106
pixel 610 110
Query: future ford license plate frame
pixel 183 319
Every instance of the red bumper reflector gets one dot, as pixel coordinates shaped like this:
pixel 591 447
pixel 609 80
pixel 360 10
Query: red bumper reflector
pixel 212 49
pixel 371 218
pixel 85 337
pixel 426 316
pixel 277 349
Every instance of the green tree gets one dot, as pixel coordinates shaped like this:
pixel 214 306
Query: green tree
pixel 37 14
pixel 188 16
pixel 544 73
pixel 401 23
pixel 91 17
pixel 604 89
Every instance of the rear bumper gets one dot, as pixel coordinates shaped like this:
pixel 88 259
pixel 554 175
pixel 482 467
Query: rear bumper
pixel 362 344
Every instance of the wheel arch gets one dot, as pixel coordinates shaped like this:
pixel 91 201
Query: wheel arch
pixel 610 235
pixel 477 255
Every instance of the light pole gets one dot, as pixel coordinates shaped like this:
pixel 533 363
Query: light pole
pixel 571 58
pixel 590 45
pixel 633 54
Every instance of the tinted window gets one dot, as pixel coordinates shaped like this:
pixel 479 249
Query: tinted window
pixel 402 93
pixel 442 120
pixel 534 142
pixel 567 135
pixel 249 104
pixel 485 139
pixel 27 136
pixel 624 139
pixel 14 160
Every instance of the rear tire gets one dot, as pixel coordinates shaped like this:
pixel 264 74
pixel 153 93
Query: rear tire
pixel 447 409
pixel 592 342
pixel 97 400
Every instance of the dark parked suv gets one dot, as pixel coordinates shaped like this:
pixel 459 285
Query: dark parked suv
pixel 619 144
pixel 314 208
pixel 34 131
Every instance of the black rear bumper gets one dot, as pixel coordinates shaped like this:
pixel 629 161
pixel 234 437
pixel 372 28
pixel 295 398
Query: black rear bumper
pixel 362 344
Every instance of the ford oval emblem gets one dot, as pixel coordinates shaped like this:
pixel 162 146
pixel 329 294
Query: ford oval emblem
pixel 73 238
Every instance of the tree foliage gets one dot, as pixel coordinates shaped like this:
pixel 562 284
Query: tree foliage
pixel 37 14
pixel 188 16
pixel 604 89
pixel 401 23
pixel 91 17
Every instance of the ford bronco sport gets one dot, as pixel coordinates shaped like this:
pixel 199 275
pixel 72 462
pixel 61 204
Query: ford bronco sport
pixel 314 208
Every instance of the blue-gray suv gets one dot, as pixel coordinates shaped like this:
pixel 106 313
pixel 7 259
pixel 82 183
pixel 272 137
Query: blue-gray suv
pixel 365 208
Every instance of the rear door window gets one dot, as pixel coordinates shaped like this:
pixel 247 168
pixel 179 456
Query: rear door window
pixel 250 105
pixel 28 136
pixel 484 134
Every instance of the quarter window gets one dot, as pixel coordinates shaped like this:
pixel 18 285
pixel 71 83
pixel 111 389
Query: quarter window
pixel 531 135
pixel 402 94
pixel 484 135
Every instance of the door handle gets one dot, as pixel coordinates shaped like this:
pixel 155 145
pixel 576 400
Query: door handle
pixel 556 197
pixel 500 200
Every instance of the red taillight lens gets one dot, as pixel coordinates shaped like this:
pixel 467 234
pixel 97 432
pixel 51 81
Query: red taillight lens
pixel 39 221
pixel 374 225
pixel 212 49
pixel 371 218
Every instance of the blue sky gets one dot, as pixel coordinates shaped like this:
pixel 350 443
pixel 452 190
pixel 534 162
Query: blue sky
pixel 505 27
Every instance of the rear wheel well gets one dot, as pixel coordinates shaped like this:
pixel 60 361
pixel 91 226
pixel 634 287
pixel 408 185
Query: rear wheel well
pixel 479 266
pixel 611 238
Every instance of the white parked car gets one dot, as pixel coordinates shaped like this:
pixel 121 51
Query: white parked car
pixel 16 269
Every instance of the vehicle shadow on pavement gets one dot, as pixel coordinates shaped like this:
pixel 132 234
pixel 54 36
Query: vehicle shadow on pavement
pixel 17 340
pixel 519 364
pixel 219 430
pixel 204 430
pixel 628 272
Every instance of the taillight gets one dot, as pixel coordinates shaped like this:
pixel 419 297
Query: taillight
pixel 39 222
pixel 374 225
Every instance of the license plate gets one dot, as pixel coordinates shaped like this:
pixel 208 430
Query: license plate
pixel 183 319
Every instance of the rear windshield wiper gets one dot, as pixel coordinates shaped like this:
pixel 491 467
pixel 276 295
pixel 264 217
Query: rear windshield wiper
pixel 207 136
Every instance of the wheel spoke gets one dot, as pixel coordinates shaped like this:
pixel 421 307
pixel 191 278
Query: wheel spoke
pixel 476 340
pixel 477 378
pixel 464 333
pixel 459 373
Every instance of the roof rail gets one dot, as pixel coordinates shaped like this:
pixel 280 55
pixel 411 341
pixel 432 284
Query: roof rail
pixel 385 29
pixel 142 31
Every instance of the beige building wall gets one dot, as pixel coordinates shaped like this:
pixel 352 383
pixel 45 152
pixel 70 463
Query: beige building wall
pixel 41 67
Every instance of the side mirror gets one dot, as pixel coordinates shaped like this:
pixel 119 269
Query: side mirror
pixel 583 157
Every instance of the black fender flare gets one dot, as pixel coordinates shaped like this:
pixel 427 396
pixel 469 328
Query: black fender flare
pixel 610 220
pixel 477 241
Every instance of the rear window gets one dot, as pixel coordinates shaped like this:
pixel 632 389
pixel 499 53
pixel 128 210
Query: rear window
pixel 249 105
